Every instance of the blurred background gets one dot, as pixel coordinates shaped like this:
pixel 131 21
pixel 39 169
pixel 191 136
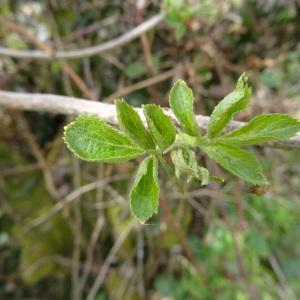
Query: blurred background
pixel 66 231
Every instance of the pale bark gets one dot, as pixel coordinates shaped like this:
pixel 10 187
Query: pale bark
pixel 74 106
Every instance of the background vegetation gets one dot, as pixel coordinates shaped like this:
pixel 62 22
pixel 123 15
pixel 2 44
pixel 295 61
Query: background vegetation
pixel 66 231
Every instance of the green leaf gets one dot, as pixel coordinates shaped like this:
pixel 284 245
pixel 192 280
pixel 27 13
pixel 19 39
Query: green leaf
pixel 235 102
pixel 183 140
pixel 185 163
pixel 132 124
pixel 92 139
pixel 264 128
pixel 187 140
pixel 144 194
pixel 181 101
pixel 238 162
pixel 161 127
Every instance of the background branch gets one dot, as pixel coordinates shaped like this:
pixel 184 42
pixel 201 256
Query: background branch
pixel 74 106
pixel 89 51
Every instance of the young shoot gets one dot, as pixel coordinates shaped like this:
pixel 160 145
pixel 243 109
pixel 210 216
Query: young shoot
pixel 92 139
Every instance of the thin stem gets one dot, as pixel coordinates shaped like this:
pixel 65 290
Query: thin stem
pixel 171 172
pixel 85 52
pixel 164 164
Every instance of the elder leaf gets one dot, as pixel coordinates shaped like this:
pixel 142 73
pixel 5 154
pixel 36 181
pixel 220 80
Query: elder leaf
pixel 181 101
pixel 160 126
pixel 224 111
pixel 264 128
pixel 237 161
pixel 144 194
pixel 92 139
pixel 132 125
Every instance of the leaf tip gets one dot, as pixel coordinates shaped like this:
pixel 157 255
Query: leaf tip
pixel 243 81
pixel 118 102
pixel 180 82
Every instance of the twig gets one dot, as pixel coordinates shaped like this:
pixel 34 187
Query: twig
pixel 140 85
pixel 244 274
pixel 19 170
pixel 140 263
pixel 239 204
pixel 89 51
pixel 177 229
pixel 74 106
pixel 288 291
pixel 77 232
pixel 38 154
pixel 146 45
pixel 147 52
pixel 109 259
pixel 97 25
pixel 90 253
pixel 65 262
pixel 78 81
pixel 46 48
pixel 70 198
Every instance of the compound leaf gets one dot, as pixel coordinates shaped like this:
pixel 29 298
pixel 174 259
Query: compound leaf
pixel 144 194
pixel 224 111
pixel 94 140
